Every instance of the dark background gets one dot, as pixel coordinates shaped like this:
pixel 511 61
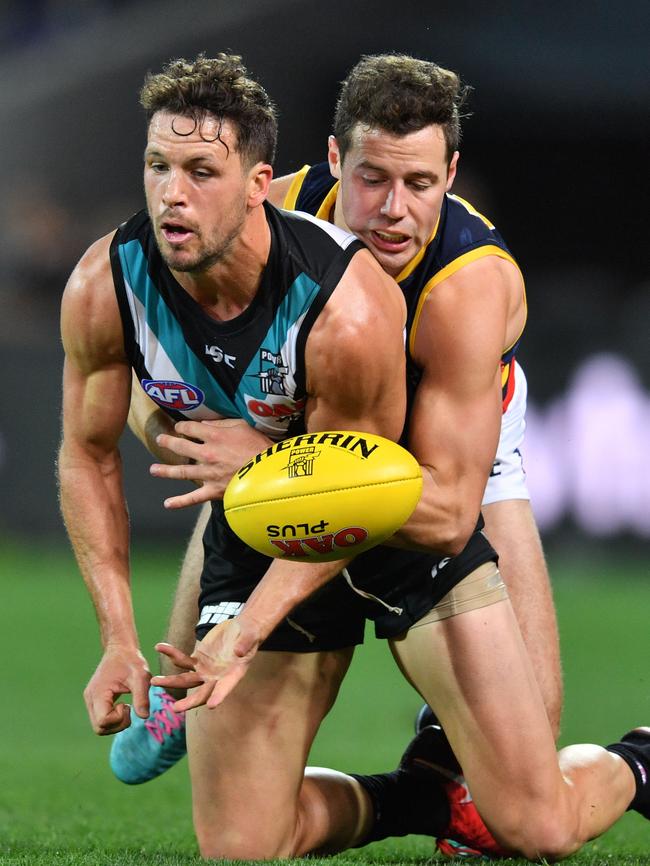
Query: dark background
pixel 556 153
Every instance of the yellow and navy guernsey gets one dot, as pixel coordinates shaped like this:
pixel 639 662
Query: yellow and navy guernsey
pixel 462 235
pixel 249 367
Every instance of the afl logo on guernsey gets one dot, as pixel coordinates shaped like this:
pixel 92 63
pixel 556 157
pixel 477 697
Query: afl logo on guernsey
pixel 173 395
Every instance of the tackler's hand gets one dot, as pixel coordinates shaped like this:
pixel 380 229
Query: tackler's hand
pixel 217 450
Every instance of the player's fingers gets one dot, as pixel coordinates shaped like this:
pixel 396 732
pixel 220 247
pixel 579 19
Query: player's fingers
pixel 116 720
pixel 179 445
pixel 197 699
pixel 188 680
pixel 140 692
pixel 223 422
pixel 194 497
pixel 100 705
pixel 180 659
pixel 191 429
pixel 225 685
pixel 182 471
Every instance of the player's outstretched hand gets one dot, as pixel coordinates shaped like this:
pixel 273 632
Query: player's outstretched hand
pixel 218 663
pixel 218 449
pixel 121 671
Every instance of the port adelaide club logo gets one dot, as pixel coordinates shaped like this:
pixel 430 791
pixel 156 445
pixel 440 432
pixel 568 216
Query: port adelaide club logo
pixel 272 373
pixel 273 401
pixel 301 461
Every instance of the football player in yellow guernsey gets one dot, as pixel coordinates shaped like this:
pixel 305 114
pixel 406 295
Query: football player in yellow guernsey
pixel 451 264
pixel 395 155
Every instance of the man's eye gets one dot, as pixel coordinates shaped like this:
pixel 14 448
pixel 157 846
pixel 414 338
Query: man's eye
pixel 421 187
pixel 371 181
pixel 157 166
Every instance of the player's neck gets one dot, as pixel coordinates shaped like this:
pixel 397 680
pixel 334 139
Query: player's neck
pixel 336 215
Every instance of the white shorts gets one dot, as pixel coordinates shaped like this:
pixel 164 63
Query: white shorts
pixel 508 478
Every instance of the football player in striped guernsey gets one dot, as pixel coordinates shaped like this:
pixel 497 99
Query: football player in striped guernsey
pixel 224 307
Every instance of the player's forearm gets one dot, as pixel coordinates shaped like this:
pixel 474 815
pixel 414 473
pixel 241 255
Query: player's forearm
pixel 454 439
pixel 95 515
pixel 444 518
pixel 284 586
pixel 147 422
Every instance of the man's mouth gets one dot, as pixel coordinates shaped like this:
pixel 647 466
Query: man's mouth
pixel 175 233
pixel 390 241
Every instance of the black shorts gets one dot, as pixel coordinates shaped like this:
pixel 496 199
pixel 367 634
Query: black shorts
pixel 405 586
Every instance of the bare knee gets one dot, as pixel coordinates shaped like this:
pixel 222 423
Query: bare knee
pixel 539 833
pixel 233 844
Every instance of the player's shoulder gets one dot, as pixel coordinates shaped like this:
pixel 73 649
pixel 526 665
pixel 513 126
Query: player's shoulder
pixel 366 301
pixel 95 265
pixel 463 210
pixel 465 228
pixel 308 224
pixel 364 271
pixel 310 246
pixel 90 320
pixel 304 190
pixel 92 269
pixel 465 247
pixel 325 244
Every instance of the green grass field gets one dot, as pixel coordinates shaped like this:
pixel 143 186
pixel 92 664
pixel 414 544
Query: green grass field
pixel 59 803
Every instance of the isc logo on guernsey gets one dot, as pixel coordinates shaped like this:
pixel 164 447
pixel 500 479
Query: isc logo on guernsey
pixel 173 395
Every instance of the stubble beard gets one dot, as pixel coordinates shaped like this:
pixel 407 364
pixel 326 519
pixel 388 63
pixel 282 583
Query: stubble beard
pixel 207 256
pixel 204 259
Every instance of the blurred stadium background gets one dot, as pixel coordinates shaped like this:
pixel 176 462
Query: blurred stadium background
pixel 555 152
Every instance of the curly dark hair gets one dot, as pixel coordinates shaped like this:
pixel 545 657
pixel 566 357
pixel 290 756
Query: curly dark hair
pixel 221 87
pixel 399 94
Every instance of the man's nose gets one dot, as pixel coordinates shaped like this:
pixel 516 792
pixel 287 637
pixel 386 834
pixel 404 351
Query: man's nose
pixel 175 192
pixel 395 205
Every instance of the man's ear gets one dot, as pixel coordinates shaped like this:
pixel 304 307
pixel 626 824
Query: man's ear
pixel 334 157
pixel 451 171
pixel 259 181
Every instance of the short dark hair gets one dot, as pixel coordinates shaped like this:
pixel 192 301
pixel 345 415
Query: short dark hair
pixel 219 86
pixel 399 94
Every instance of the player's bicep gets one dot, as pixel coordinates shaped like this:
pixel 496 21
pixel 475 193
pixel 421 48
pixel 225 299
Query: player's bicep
pixel 95 407
pixel 96 374
pixel 457 410
pixel 455 432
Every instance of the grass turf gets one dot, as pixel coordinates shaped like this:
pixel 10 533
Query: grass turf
pixel 59 803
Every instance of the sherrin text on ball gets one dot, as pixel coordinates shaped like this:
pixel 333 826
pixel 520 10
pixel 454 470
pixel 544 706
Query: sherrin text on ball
pixel 323 496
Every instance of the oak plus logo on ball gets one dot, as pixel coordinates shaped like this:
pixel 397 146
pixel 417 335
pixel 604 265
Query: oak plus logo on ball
pixel 173 395
pixel 322 544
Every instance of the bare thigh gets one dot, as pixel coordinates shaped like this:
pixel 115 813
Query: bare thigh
pixel 185 609
pixel 510 526
pixel 247 756
pixel 473 670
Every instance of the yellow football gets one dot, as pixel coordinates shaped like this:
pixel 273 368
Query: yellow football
pixel 323 496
